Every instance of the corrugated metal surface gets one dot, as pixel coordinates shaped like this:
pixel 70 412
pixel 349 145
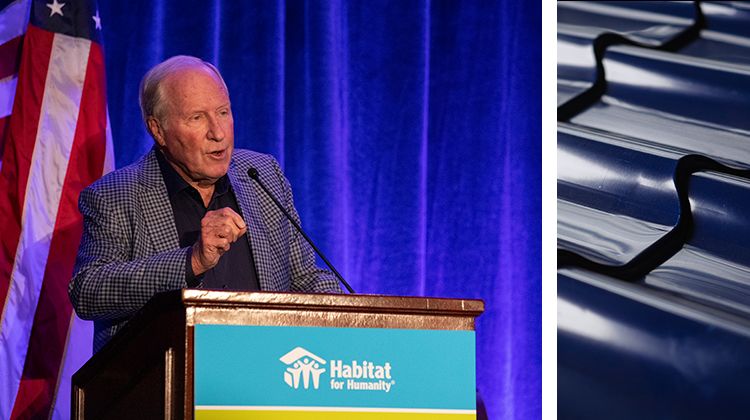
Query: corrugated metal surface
pixel 653 209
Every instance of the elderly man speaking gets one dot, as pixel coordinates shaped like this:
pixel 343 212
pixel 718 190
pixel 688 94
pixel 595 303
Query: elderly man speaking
pixel 187 214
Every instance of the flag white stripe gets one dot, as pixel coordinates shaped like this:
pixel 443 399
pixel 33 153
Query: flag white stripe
pixel 77 352
pixel 60 378
pixel 334 409
pixel 79 345
pixel 109 152
pixel 14 19
pixel 7 93
pixel 54 140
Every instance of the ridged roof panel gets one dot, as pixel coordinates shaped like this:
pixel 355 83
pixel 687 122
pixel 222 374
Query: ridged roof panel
pixel 653 203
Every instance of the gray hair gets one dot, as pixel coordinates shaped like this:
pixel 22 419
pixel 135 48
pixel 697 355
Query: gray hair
pixel 150 92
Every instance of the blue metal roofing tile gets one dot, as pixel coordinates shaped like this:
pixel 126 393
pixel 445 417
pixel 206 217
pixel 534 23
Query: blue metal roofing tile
pixel 727 34
pixel 649 22
pixel 673 84
pixel 714 265
pixel 576 66
pixel 615 197
pixel 653 188
pixel 581 23
pixel 629 352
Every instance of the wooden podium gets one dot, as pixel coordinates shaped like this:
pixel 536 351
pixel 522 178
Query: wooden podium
pixel 148 370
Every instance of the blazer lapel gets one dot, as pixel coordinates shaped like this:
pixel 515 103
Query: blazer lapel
pixel 246 193
pixel 155 207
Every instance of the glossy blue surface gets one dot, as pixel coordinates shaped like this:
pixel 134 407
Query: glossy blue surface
pixel 675 101
pixel 580 23
pixel 627 352
pixel 607 187
pixel 714 264
pixel 653 197
pixel 576 67
pixel 725 38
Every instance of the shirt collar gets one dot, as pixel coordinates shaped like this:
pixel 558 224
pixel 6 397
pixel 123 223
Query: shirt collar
pixel 175 183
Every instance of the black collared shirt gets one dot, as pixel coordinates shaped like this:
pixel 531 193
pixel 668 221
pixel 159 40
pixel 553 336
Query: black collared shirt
pixel 236 268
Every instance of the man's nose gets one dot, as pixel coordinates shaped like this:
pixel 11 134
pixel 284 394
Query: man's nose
pixel 216 130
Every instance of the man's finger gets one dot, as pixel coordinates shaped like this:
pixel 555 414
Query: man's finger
pixel 221 245
pixel 241 233
pixel 224 223
pixel 231 232
pixel 236 219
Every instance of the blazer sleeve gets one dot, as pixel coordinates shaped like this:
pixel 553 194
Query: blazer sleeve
pixel 306 275
pixel 107 283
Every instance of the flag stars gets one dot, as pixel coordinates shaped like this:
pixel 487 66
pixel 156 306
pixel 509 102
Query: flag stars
pixel 55 8
pixel 97 20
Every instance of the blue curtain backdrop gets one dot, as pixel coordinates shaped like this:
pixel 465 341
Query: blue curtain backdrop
pixel 410 131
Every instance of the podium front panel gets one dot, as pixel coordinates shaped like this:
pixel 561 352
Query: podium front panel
pixel 308 372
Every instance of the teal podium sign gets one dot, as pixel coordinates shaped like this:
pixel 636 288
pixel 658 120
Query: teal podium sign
pixel 272 372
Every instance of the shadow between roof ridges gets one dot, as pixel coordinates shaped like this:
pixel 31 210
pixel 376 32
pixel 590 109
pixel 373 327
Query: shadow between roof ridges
pixel 673 241
pixel 588 97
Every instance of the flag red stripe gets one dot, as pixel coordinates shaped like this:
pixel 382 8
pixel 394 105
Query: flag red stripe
pixel 52 318
pixel 10 56
pixel 19 146
pixel 3 132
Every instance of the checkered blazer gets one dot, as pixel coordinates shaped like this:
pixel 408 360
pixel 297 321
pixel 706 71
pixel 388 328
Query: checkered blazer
pixel 130 249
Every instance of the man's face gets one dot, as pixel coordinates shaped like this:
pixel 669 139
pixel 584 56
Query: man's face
pixel 197 130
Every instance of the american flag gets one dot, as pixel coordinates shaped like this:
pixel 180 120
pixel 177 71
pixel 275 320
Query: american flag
pixel 54 141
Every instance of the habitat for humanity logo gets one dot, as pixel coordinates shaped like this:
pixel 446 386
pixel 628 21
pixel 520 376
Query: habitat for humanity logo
pixel 302 364
pixel 359 376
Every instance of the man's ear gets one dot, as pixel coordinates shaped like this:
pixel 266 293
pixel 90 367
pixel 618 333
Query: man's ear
pixel 156 131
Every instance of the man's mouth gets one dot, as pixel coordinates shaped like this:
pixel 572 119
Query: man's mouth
pixel 217 153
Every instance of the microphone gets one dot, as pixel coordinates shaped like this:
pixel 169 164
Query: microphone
pixel 253 173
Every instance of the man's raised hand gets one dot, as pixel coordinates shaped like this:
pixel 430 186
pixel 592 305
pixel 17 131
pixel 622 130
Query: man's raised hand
pixel 219 229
